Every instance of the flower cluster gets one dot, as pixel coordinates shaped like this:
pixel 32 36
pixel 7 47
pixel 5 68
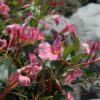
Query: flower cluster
pixel 41 55
pixel 24 34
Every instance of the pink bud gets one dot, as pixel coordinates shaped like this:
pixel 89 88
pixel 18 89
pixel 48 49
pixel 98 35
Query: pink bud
pixel 58 86
pixel 24 80
pixel 86 47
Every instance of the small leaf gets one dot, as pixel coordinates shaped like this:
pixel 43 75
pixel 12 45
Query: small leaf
pixel 33 22
pixel 71 48
pixel 43 11
pixel 67 88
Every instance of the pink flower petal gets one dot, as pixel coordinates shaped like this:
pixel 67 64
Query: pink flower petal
pixel 24 80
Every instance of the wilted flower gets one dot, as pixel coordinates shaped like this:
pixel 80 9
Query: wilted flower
pixel 4 9
pixel 48 52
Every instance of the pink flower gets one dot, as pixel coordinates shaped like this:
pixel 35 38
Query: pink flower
pixel 56 48
pixel 86 47
pixel 36 69
pixel 1 1
pixel 70 96
pixel 38 35
pixel 24 80
pixel 33 59
pixel 70 28
pixel 23 34
pixel 35 65
pixel 56 19
pixel 45 24
pixel 31 69
pixel 3 44
pixel 48 52
pixel 13 31
pixel 73 76
pixel 30 35
pixel 4 10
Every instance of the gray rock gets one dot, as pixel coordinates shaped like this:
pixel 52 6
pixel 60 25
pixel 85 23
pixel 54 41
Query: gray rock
pixel 87 22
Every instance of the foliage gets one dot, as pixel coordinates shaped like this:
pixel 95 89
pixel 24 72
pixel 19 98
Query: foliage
pixel 35 65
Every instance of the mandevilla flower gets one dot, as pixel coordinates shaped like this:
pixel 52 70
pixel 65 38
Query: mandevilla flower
pixel 23 34
pixel 4 9
pixel 48 52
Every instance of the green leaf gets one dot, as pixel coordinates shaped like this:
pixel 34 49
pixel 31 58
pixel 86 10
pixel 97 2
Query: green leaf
pixel 89 73
pixel 67 88
pixel 43 11
pixel 7 68
pixel 46 97
pixel 37 2
pixel 33 22
pixel 71 48
pixel 2 25
pixel 78 57
pixel 59 96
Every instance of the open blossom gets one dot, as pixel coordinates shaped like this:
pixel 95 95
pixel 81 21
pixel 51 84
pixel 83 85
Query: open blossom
pixel 73 76
pixel 48 52
pixel 24 34
pixel 3 43
pixel 4 9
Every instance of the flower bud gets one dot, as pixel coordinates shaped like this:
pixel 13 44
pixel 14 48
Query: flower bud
pixel 24 80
